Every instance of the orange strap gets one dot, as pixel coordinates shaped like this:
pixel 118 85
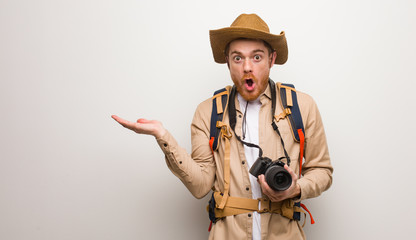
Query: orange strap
pixel 310 215
pixel 211 141
pixel 302 145
pixel 210 227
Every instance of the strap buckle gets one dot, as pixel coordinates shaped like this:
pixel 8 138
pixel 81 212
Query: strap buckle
pixel 264 205
pixel 225 129
pixel 283 114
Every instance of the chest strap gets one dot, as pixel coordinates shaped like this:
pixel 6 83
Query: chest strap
pixel 237 205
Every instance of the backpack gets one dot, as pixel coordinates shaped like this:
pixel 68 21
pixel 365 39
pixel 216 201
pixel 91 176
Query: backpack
pixel 291 111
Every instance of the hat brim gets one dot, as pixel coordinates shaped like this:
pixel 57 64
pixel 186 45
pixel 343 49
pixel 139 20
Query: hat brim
pixel 221 37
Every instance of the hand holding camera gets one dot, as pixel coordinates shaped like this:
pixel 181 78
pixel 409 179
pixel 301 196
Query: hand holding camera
pixel 276 179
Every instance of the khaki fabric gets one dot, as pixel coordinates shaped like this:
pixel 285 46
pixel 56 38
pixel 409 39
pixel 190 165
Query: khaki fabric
pixel 202 170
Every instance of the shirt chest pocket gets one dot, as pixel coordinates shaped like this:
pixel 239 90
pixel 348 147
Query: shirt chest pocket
pixel 284 127
pixel 274 142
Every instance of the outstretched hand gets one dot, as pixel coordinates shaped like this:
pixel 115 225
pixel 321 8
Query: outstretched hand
pixel 143 126
pixel 277 196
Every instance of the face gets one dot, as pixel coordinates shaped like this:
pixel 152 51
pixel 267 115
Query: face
pixel 249 62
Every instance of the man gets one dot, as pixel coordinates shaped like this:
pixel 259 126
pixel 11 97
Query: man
pixel 249 50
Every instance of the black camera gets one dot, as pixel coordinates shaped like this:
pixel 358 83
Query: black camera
pixel 277 177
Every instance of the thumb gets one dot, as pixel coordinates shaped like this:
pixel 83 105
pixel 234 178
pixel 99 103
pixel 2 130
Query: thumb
pixel 142 120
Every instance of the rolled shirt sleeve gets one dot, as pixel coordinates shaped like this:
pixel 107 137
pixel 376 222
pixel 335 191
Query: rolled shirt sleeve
pixel 196 171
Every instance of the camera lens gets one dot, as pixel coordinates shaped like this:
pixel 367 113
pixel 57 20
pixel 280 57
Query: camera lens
pixel 278 178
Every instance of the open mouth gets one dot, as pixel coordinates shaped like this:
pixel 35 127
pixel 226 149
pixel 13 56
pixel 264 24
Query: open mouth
pixel 249 83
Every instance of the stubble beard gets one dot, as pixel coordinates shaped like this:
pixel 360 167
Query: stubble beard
pixel 259 88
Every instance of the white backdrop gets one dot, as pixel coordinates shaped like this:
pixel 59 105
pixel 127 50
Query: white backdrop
pixel 68 171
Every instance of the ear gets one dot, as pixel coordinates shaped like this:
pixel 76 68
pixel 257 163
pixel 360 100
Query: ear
pixel 228 63
pixel 272 58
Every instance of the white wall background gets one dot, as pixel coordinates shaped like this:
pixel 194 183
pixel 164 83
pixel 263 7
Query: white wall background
pixel 68 171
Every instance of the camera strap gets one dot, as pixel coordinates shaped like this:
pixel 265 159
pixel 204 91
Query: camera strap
pixel 232 115
pixel 274 125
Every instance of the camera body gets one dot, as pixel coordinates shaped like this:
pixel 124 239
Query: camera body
pixel 277 177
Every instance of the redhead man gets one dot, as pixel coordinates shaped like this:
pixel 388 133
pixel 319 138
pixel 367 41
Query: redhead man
pixel 243 205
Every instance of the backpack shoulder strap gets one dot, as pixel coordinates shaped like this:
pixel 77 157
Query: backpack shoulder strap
pixel 219 103
pixel 289 101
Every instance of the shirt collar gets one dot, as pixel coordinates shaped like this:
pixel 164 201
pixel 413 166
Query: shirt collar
pixel 267 93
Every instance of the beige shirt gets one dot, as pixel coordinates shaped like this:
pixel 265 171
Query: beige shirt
pixel 202 170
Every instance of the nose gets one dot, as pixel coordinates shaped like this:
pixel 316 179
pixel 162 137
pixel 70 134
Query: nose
pixel 248 67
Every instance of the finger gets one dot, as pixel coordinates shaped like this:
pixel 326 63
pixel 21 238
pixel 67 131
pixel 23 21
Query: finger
pixel 274 196
pixel 123 122
pixel 265 187
pixel 292 174
pixel 117 118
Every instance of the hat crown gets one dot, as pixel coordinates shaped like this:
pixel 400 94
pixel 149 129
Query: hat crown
pixel 247 26
pixel 251 21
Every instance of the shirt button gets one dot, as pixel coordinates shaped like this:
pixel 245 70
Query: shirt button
pixel 247 188
pixel 240 116
pixel 249 215
pixel 165 144
pixel 243 162
pixel 180 162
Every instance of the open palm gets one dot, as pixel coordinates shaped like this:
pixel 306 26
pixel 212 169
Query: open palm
pixel 143 126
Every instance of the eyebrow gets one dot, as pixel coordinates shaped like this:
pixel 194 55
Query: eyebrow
pixel 254 51
pixel 258 50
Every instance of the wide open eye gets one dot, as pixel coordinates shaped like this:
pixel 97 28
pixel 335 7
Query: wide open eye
pixel 237 58
pixel 257 57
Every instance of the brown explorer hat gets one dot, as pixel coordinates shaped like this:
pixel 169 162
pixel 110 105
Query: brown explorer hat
pixel 247 26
